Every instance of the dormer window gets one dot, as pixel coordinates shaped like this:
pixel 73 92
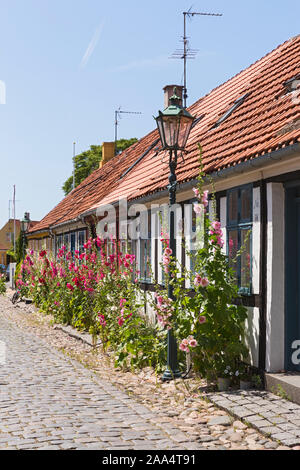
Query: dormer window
pixel 198 119
pixel 235 105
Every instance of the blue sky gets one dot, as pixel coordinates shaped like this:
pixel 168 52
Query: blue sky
pixel 67 65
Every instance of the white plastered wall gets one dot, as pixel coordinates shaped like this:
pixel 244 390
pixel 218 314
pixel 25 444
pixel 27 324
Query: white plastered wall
pixel 275 278
pixel 252 335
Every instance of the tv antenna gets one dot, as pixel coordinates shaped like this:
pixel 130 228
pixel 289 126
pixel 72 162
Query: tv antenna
pixel 118 116
pixel 187 52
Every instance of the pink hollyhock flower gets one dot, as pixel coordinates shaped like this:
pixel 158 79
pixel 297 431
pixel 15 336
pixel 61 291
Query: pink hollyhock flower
pixel 198 209
pixel 185 342
pixel 196 192
pixel 193 343
pixel 160 300
pixel 204 199
pixel 202 319
pixel 184 348
pixel 70 287
pixel 101 319
pixel 216 225
pixel 168 252
pixel 121 321
pixel 197 280
pixel 220 242
pixel 204 282
pixel 166 260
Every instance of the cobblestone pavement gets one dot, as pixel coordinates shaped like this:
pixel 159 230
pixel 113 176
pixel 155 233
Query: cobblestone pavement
pixel 270 414
pixel 48 401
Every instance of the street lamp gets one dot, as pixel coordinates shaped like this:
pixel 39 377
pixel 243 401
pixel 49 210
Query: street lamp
pixel 24 227
pixel 174 126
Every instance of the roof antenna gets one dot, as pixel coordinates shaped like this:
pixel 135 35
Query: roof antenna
pixel 187 52
pixel 118 116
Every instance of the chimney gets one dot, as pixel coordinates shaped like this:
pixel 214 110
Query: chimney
pixel 108 152
pixel 169 91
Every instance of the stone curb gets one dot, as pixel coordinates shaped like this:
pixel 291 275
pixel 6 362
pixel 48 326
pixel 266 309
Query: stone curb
pixel 255 420
pixel 84 337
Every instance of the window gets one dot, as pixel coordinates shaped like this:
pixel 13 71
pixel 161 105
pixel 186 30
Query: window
pixel 239 235
pixel 67 241
pixel 59 242
pixel 145 254
pixel 194 232
pixel 81 241
pixel 235 105
pixel 73 242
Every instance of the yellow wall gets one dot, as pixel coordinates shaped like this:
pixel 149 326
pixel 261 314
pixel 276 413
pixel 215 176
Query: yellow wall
pixel 6 238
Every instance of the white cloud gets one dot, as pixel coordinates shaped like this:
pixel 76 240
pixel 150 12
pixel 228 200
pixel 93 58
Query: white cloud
pixel 91 46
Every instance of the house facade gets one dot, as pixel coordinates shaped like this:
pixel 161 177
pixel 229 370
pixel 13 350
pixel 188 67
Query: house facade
pixel 7 238
pixel 249 132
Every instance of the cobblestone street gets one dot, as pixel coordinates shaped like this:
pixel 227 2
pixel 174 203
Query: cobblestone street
pixel 51 401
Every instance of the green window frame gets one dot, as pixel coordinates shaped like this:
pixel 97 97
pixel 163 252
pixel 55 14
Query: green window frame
pixel 239 234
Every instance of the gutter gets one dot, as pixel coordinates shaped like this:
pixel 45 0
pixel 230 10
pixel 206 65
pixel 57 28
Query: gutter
pixel 258 162
pixel 71 221
pixel 28 234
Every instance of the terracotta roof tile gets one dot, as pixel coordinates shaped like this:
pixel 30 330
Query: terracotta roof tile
pixel 262 123
pixel 265 121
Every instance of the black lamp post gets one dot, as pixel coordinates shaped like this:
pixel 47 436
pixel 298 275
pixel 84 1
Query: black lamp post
pixel 24 227
pixel 174 126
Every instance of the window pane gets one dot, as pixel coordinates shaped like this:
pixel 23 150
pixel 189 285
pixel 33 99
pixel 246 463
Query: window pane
pixel 148 260
pixel 246 260
pixel 80 241
pixel 145 259
pixel 246 202
pixel 232 207
pixel 73 242
pixel 67 241
pixel 193 261
pixel 233 246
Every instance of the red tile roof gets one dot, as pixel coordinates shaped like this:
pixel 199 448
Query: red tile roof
pixel 267 120
pixel 262 123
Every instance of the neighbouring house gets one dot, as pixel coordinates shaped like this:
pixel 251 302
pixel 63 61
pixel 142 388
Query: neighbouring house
pixel 7 239
pixel 249 131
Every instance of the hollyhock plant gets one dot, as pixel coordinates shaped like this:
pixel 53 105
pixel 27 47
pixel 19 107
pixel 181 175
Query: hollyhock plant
pixel 2 284
pixel 96 289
